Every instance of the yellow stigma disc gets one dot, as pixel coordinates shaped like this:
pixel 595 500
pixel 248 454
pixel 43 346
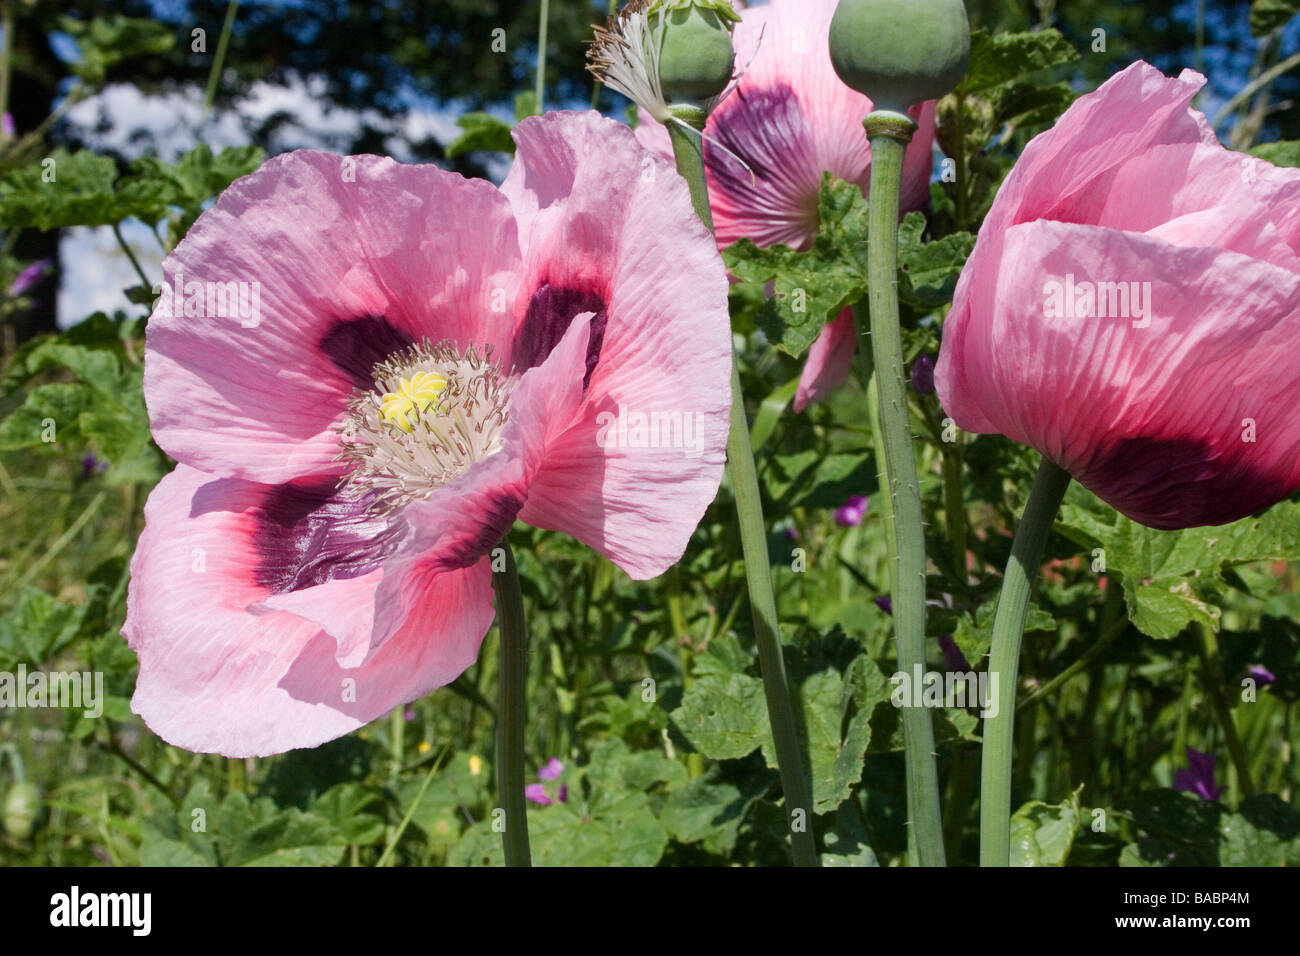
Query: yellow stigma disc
pixel 414 395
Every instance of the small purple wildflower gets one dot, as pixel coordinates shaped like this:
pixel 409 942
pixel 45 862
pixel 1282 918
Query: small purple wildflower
pixel 953 659
pixel 850 515
pixel 536 792
pixel 1261 674
pixel 29 277
pixel 408 713
pixel 1199 777
pixel 886 604
pixel 7 126
pixel 923 375
pixel 90 465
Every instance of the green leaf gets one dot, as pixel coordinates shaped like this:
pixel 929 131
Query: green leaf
pixel 262 834
pixel 929 270
pixel 724 717
pixel 1267 15
pixel 847 843
pixel 1286 153
pixel 974 635
pixel 63 189
pixel 811 288
pixel 37 626
pixel 995 60
pixel 49 412
pixel 813 479
pixel 344 807
pixel 481 131
pixel 1042 834
pixel 107 41
pixel 707 812
pixel 1265 831
pixel 1172 578
pixel 837 718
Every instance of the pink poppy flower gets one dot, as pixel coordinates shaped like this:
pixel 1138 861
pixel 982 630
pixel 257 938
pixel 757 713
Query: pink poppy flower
pixel 792 119
pixel 1129 308
pixel 419 359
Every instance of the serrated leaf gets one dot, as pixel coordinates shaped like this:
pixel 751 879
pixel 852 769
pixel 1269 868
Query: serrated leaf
pixel 929 270
pixel 1172 578
pixel 995 60
pixel 810 288
pixel 836 729
pixel 262 834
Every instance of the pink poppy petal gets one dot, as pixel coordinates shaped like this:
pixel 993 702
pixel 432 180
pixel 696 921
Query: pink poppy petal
pixel 1109 401
pixel 664 343
pixel 220 674
pixel 829 361
pixel 354 258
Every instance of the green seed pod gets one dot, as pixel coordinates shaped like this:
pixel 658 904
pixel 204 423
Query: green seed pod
pixel 22 804
pixel 900 54
pixel 696 58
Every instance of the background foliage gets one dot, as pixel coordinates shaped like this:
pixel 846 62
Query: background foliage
pixel 648 693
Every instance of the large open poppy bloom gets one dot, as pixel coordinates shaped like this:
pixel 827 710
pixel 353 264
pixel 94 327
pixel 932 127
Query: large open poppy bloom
pixel 792 119
pixel 431 358
pixel 1132 307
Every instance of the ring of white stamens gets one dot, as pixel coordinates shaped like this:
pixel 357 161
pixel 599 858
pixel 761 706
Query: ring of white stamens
pixel 433 412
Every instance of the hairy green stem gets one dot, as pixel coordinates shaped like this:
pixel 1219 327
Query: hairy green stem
pixel 688 150
pixel 1004 660
pixel 889 134
pixel 512 711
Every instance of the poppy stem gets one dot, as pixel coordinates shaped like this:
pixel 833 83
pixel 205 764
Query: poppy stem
pixel 512 709
pixel 1004 660
pixel 889 134
pixel 792 762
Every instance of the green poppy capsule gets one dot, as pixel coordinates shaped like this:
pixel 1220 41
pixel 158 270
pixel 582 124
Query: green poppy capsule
pixel 900 54
pixel 696 58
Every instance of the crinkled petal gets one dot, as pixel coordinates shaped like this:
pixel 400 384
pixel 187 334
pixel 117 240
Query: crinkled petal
pixel 632 252
pixel 1188 420
pixel 220 673
pixel 351 259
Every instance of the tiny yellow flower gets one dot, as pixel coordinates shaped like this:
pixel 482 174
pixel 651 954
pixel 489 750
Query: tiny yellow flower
pixel 424 747
pixel 475 765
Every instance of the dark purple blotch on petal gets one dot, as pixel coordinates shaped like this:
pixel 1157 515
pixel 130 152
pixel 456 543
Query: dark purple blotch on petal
pixel 307 533
pixel 885 603
pixel 357 345
pixel 551 311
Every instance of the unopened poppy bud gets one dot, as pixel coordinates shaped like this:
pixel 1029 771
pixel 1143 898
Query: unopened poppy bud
pixel 696 57
pixel 900 54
